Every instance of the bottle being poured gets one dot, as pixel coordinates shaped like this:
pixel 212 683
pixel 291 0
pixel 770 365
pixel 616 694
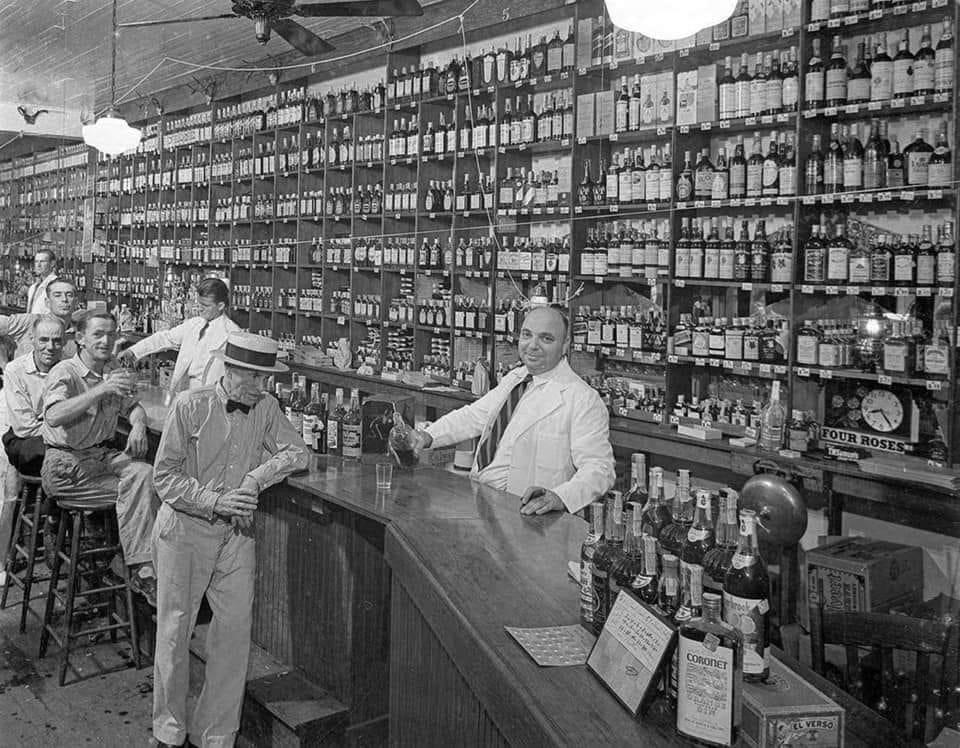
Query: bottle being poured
pixel 400 441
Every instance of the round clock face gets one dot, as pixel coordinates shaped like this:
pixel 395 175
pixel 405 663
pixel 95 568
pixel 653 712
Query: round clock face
pixel 882 410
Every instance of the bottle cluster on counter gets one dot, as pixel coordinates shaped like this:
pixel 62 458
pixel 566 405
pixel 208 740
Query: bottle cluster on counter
pixel 696 559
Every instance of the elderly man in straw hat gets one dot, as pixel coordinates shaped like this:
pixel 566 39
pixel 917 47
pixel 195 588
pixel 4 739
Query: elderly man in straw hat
pixel 222 445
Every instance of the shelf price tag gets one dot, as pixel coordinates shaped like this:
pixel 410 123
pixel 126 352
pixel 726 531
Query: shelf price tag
pixel 699 362
pixel 924 291
pixel 746 286
pixel 898 103
pixel 876 14
pixel 851 20
pixel 706 126
pixel 341 320
pixel 680 283
pixel 621 353
pixel 832 290
pixel 830 111
pixel 935 194
pixel 598 279
pixel 885 379
pixel 826 374
pixel 934 386
pixel 776 287
pixel 846 199
pixel 806 289
pixel 874 106
pixel 766 369
pixel 851 290
pixel 673 359
pixel 878 291
pixel 727 363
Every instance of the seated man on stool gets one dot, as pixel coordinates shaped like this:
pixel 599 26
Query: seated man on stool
pixel 23 382
pixel 83 398
pixel 544 432
pixel 222 445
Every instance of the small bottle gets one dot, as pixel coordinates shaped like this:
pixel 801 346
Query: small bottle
pixel 746 591
pixel 709 680
pixel 773 418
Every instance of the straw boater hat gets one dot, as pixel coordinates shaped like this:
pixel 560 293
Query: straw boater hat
pixel 250 351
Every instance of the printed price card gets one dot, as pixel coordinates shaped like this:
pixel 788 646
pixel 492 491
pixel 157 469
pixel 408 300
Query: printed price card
pixel 631 650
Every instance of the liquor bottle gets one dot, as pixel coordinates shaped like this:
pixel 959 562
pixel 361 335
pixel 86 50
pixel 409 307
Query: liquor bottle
pixel 709 651
pixel 881 73
pixel 294 409
pixel 852 159
pixel 600 185
pixel 746 590
pixel 759 254
pixel 594 539
pixel 755 168
pixel 700 539
pixel 926 259
pixel 895 172
pixel 685 180
pixel 319 413
pixel 903 69
pixel 858 84
pixel 585 188
pixel 833 162
pixel 773 94
pixel 924 66
pixel 758 86
pixel 788 167
pixel 613 181
pixel 946 256
pixel 727 91
pixel 622 107
pixel 791 80
pixel 770 174
pixel 703 176
pixel 836 76
pixel 671 538
pixel 742 255
pixel 645 584
pixel 943 64
pixel 335 425
pixel 603 559
pixel 881 261
pixel 743 87
pixel 813 169
pixel 309 418
pixel 940 168
pixel 860 263
pixel 738 171
pixel 874 160
pixel 917 157
pixel 773 419
pixel 629 564
pixel 814 92
pixel 719 188
pixel 716 562
pixel 904 264
pixel 656 514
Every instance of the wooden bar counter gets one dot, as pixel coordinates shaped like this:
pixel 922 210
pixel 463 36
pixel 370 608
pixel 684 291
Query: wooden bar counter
pixel 396 603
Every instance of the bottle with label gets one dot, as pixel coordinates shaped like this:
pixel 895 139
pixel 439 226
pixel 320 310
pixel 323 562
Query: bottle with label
pixel 858 84
pixel 351 428
pixel 943 63
pixel 814 89
pixel 946 256
pixel 755 168
pixel 833 162
pixel 881 260
pixel 622 107
pixel 742 255
pixel 881 73
pixel 593 541
pixel 743 84
pixel 853 159
pixel 874 159
pixel 759 254
pixel 703 176
pixel 940 167
pixel 672 536
pixel 917 157
pixel 709 651
pixel 904 263
pixel 896 172
pixel 781 258
pixel 770 176
pixel 838 258
pixel 746 606
pixel 668 589
pixel 335 424
pixel 655 516
pixel 924 65
pixel 926 258
pixel 814 257
pixel 836 75
pixel 859 271
pixel 603 559
pixel 787 167
pixel 727 91
pixel 585 188
pixel 903 68
pixel 738 171
pixel 629 566
pixel 296 404
pixel 813 169
pixel 773 419
pixel 685 180
pixel 700 539
pixel 309 419
pixel 716 562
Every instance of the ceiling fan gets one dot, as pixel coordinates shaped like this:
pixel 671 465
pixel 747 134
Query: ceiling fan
pixel 274 15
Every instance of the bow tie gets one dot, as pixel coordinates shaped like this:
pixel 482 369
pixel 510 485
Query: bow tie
pixel 233 405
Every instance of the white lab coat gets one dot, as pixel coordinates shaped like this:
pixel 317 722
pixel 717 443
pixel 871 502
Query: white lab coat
pixel 194 366
pixel 560 436
pixel 37 302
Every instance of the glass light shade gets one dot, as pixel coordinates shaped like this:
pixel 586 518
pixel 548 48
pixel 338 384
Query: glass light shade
pixel 112 135
pixel 662 19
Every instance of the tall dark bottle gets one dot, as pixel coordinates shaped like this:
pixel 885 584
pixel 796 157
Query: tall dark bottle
pixel 593 540
pixel 699 540
pixel 717 560
pixel 746 593
pixel 629 566
pixel 656 514
pixel 603 557
pixel 672 536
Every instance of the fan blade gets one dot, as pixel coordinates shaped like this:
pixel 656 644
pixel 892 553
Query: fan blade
pixel 361 8
pixel 304 41
pixel 134 24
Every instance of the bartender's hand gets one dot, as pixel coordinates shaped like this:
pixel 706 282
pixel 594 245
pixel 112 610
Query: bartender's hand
pixel 537 500
pixel 236 503
pixel 127 357
pixel 137 441
pixel 419 441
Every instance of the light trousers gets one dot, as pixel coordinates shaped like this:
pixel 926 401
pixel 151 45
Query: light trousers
pixel 194 556
pixel 103 474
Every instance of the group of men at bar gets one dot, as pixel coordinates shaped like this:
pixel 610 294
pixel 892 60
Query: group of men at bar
pixel 186 522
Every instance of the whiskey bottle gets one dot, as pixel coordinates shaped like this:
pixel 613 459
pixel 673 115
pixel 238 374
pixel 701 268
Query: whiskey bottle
pixel 858 84
pixel 727 92
pixel 603 559
pixel 833 162
pixel 700 539
pixel 940 168
pixel 655 515
pixel 917 157
pixel 585 188
pixel 716 562
pixel 770 175
pixel 926 258
pixel 943 63
pixel 593 541
pixel 743 87
pixel 709 679
pixel 946 255
pixel 853 160
pixel 335 424
pixel 352 428
pixel 738 171
pixel 813 169
pixel 924 65
pixel 685 180
pixel 881 73
pixel 672 536
pixel 903 69
pixel 836 76
pixel 814 78
pixel 746 591
pixel 755 168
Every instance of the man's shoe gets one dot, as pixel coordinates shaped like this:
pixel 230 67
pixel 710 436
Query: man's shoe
pixel 146 586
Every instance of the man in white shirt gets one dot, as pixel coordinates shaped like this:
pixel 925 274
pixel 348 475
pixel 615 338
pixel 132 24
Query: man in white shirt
pixel 44 270
pixel 195 339
pixel 544 432
pixel 61 296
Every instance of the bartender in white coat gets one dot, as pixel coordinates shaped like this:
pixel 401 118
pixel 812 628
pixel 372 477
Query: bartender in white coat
pixel 195 339
pixel 544 432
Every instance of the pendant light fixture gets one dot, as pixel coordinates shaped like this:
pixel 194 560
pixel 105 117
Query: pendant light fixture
pixel 662 19
pixel 111 134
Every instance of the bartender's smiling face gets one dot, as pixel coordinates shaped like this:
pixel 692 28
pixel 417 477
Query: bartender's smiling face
pixel 244 385
pixel 543 341
pixel 210 308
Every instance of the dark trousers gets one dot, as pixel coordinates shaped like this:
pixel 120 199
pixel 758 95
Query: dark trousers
pixel 26 455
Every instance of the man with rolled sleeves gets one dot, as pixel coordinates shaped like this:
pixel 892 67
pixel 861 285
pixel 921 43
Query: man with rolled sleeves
pixel 544 432
pixel 222 445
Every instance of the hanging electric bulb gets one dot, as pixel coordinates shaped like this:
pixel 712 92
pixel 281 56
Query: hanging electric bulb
pixel 669 20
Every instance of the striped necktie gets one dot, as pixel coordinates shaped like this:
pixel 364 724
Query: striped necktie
pixel 489 447
pixel 203 330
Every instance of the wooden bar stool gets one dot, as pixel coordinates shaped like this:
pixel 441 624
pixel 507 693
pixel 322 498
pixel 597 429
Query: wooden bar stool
pixel 89 564
pixel 23 546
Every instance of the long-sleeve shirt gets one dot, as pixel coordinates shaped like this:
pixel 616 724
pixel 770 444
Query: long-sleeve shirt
pixel 194 366
pixel 23 385
pixel 37 302
pixel 205 451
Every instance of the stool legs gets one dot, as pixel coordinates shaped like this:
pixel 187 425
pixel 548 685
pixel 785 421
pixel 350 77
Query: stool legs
pixel 72 580
pixel 51 593
pixel 24 545
pixel 31 561
pixel 11 557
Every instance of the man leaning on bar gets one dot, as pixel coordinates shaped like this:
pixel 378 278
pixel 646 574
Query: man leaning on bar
pixel 544 432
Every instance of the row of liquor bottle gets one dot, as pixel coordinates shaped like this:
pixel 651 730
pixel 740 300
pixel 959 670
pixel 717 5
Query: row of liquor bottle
pixel 883 260
pixel 875 75
pixel 824 10
pixel 626 249
pixel 655 173
pixel 623 327
pixel 625 396
pixel 892 344
pixel 703 254
pixel 746 339
pixel 66 184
